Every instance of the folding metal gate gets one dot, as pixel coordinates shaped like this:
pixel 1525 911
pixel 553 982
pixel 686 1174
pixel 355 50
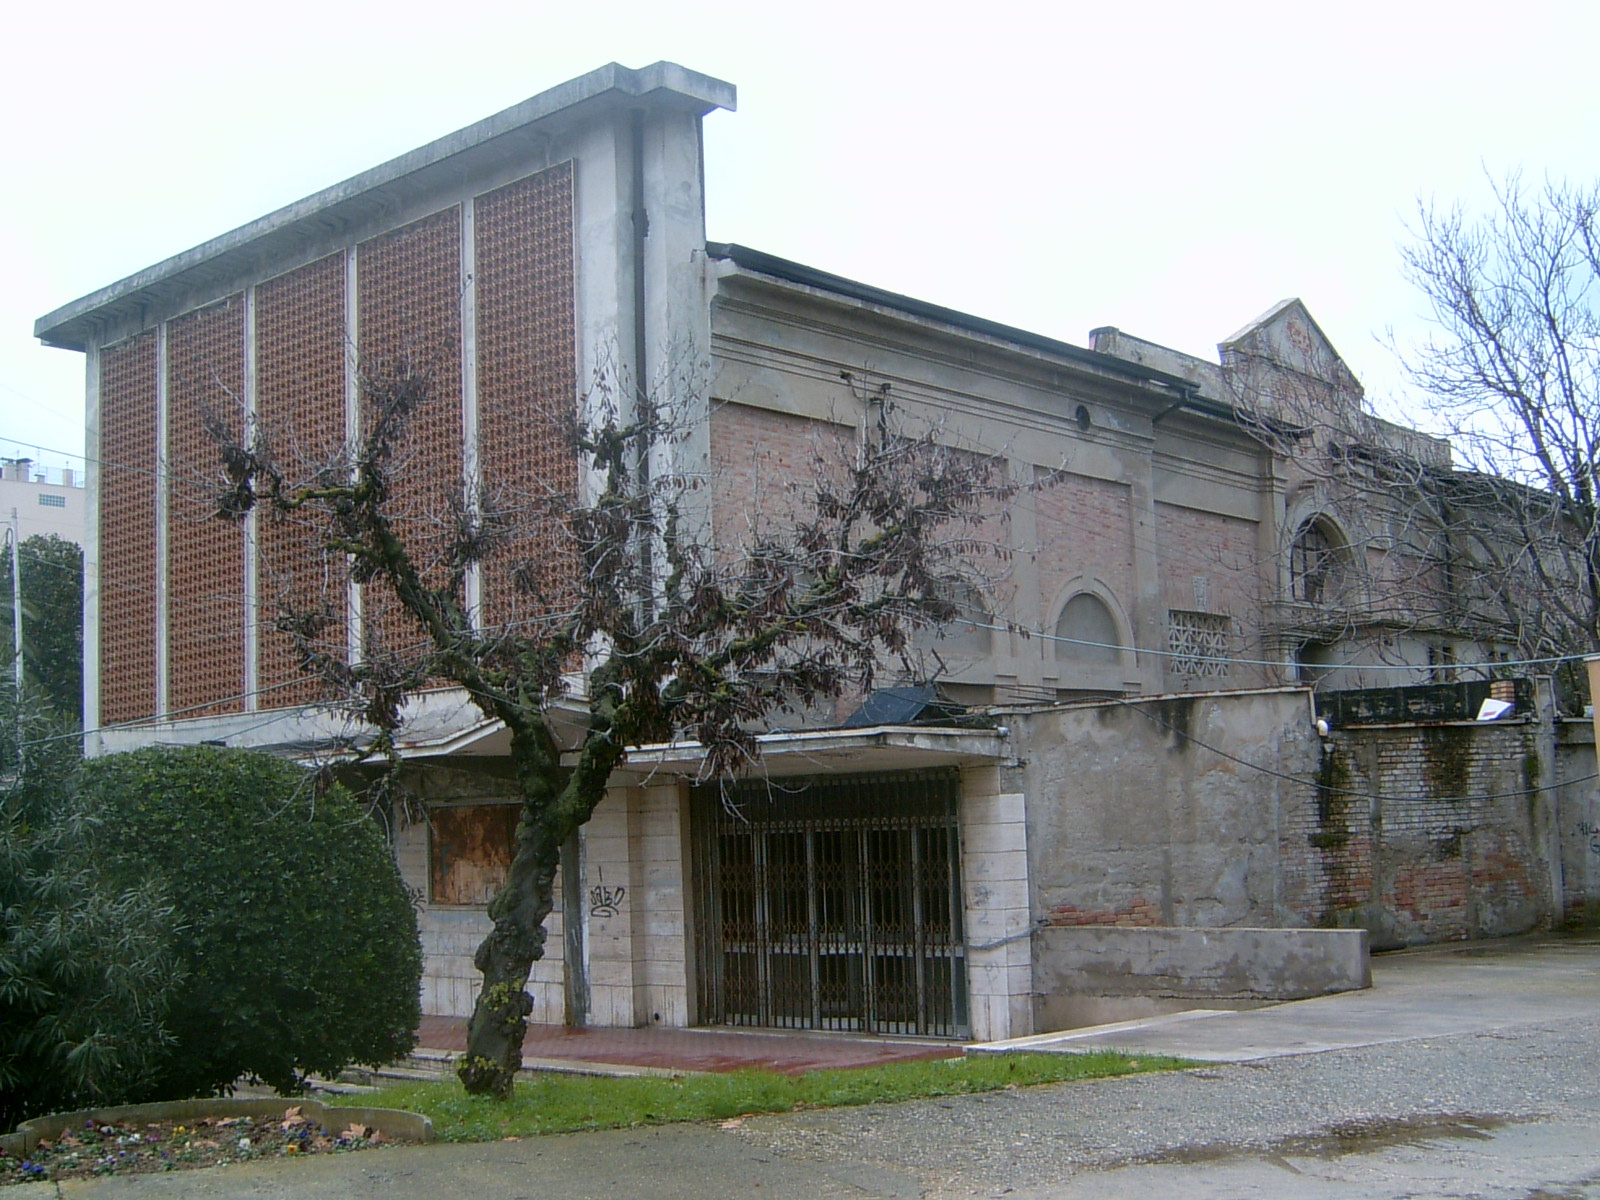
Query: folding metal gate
pixel 831 904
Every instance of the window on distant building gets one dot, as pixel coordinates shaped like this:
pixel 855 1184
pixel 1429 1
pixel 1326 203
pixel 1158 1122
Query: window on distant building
pixel 1316 562
pixel 49 501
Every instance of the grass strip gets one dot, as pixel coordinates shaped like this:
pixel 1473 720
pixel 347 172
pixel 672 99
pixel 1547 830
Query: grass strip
pixel 556 1103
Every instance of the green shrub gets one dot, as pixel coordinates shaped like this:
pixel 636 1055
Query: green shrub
pixel 298 936
pixel 86 967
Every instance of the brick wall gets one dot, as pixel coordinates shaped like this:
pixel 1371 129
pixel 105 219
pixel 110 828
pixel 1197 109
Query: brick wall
pixel 527 380
pixel 301 364
pixel 1419 834
pixel 409 281
pixel 205 556
pixel 1208 564
pixel 1085 527
pixel 128 529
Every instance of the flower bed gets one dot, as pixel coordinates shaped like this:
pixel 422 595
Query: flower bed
pixel 195 1133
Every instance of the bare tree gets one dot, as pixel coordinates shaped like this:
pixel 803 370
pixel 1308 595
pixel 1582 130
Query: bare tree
pixel 656 632
pixel 1512 374
pixel 1484 529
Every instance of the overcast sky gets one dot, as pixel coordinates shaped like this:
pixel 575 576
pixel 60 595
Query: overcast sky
pixel 1173 169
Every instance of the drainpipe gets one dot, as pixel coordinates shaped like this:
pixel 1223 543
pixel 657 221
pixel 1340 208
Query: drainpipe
pixel 16 605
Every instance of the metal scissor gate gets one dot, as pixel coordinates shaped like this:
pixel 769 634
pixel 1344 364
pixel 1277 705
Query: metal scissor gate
pixel 831 903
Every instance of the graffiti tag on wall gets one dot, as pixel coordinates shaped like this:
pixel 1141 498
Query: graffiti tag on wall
pixel 605 901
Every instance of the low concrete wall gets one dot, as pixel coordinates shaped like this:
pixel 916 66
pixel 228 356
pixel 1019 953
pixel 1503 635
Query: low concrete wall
pixel 1092 973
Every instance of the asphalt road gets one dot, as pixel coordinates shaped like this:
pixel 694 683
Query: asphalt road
pixel 1472 1071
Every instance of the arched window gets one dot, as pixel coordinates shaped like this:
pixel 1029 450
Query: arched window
pixel 1087 632
pixel 1316 562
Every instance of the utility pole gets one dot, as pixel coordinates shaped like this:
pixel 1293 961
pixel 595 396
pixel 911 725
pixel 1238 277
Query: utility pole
pixel 16 600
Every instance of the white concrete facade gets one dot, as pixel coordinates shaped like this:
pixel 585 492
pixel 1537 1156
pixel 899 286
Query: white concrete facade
pixel 44 502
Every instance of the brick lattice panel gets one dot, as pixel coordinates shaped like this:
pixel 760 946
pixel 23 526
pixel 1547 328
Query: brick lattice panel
pixel 410 318
pixel 205 555
pixel 128 529
pixel 301 356
pixel 527 378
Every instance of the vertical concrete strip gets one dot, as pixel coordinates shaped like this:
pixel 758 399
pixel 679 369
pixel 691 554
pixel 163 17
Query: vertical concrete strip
pixel 163 506
pixel 1544 802
pixel 1591 664
pixel 352 422
pixel 471 472
pixel 91 554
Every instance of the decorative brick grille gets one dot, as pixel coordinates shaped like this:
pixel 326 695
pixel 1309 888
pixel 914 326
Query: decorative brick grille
pixel 128 529
pixel 301 356
pixel 410 318
pixel 1200 642
pixel 205 556
pixel 526 378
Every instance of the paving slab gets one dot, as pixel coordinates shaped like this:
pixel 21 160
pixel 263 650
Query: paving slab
pixel 1433 992
pixel 656 1050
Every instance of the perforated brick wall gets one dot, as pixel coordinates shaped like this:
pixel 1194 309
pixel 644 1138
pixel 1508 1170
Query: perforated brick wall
pixel 527 382
pixel 128 529
pixel 205 555
pixel 301 356
pixel 409 284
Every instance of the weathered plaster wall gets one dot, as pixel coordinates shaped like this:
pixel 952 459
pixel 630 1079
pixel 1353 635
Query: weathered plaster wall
pixel 1578 829
pixel 1133 821
pixel 1089 974
pixel 1228 810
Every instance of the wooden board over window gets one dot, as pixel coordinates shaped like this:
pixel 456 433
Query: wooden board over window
pixel 470 851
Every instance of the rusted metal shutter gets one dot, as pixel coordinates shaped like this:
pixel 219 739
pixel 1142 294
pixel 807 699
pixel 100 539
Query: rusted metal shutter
pixel 831 904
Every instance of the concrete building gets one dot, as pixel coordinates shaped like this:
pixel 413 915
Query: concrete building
pixel 1179 548
pixel 44 502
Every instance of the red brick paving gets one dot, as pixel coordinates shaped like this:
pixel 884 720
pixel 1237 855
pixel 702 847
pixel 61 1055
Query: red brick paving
pixel 694 1049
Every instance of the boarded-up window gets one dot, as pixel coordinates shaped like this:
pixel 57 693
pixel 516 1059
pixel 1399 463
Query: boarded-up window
pixel 471 849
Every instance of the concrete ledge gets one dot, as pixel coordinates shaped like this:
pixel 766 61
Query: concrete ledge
pixel 391 1122
pixel 1086 969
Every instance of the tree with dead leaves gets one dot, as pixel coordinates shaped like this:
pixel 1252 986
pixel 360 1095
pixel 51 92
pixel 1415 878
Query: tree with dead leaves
pixel 657 632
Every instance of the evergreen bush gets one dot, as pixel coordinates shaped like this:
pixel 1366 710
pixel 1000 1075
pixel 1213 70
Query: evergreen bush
pixel 296 932
pixel 86 967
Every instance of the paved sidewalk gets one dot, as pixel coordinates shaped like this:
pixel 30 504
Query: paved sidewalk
pixel 1469 1070
pixel 655 1051
pixel 1434 991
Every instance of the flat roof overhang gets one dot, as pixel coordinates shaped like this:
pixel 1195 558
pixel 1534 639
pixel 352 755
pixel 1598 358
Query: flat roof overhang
pixel 828 752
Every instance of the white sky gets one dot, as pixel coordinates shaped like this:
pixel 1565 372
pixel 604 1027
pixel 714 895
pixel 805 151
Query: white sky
pixel 1170 168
